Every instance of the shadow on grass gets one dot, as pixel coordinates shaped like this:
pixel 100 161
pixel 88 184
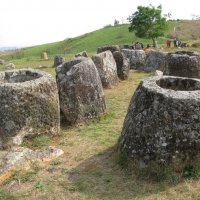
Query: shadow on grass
pixel 103 176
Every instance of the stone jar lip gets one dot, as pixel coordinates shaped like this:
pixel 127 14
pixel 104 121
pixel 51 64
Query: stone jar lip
pixel 184 53
pixel 42 77
pixel 151 84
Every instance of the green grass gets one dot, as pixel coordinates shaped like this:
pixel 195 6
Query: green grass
pixel 37 141
pixel 187 31
pixel 90 42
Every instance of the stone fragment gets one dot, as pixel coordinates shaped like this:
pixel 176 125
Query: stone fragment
pixel 10 66
pixel 2 61
pixel 20 158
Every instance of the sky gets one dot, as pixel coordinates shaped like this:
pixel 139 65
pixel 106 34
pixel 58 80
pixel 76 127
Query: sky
pixel 32 22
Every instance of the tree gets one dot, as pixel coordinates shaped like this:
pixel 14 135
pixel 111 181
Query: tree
pixel 147 22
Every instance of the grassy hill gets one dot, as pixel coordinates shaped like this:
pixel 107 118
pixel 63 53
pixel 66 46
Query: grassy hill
pixel 186 30
pixel 91 41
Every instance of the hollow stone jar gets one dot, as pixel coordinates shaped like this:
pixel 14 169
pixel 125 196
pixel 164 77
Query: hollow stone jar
pixel 163 121
pixel 28 105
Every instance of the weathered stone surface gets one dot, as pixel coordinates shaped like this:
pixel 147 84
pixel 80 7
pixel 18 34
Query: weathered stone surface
pixel 162 124
pixel 66 66
pixel 111 48
pixel 44 56
pixel 122 65
pixel 58 60
pixel 136 58
pixel 155 60
pixel 83 53
pixel 10 66
pixel 183 63
pixel 158 73
pixel 107 68
pixel 21 158
pixel 125 46
pixel 80 90
pixel 28 105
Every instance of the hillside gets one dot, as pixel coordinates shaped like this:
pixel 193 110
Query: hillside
pixel 187 30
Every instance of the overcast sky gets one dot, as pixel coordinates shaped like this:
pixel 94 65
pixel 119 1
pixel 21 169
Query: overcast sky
pixel 31 22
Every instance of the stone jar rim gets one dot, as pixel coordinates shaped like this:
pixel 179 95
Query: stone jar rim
pixel 151 84
pixel 42 77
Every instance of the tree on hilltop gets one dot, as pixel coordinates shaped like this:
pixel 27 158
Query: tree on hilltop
pixel 147 22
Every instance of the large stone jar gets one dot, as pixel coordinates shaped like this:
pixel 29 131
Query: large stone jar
pixel 123 66
pixel 28 105
pixel 80 90
pixel 155 60
pixel 107 68
pixel 163 121
pixel 183 63
pixel 136 58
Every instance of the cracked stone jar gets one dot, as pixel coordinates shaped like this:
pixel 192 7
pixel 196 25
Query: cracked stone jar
pixel 162 124
pixel 28 105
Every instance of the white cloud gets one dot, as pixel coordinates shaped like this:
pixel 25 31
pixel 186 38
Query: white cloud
pixel 29 22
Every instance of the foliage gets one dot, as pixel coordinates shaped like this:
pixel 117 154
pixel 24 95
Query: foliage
pixel 147 22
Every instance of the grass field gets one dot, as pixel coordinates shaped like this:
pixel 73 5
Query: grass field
pixel 91 167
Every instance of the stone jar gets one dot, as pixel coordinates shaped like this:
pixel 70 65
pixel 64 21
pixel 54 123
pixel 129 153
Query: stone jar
pixel 162 124
pixel 183 63
pixel 80 90
pixel 29 105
